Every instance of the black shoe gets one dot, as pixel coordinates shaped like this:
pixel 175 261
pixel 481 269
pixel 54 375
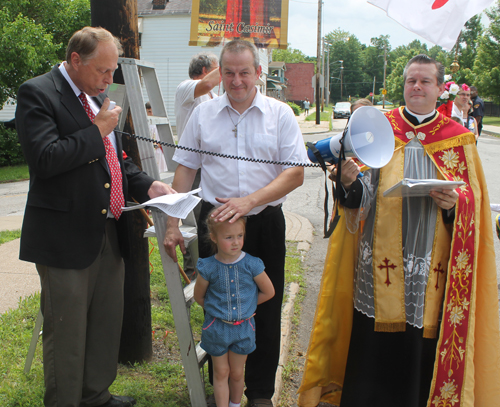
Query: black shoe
pixel 119 401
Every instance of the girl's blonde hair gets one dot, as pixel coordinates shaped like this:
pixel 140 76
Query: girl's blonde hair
pixel 213 226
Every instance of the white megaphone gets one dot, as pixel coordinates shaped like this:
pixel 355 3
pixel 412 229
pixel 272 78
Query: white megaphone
pixel 369 138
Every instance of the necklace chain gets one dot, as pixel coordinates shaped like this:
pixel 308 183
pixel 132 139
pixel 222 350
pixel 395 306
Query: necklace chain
pixel 242 117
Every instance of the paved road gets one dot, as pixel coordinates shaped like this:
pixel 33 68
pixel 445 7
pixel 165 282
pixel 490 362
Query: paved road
pixel 13 198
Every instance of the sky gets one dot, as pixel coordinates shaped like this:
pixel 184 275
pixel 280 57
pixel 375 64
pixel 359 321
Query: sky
pixel 357 17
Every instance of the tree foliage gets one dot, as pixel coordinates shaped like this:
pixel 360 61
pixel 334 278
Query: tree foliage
pixel 486 65
pixel 33 36
pixel 291 55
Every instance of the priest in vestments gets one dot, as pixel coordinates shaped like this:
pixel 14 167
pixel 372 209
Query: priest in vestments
pixel 424 328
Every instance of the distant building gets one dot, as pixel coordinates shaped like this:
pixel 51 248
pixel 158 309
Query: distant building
pixel 276 81
pixel 299 82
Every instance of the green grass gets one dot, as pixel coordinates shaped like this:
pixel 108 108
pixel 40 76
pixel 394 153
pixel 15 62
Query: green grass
pixel 8 235
pixel 490 120
pixel 15 173
pixel 158 383
pixel 325 116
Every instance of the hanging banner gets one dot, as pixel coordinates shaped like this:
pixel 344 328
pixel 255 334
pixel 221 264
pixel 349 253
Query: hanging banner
pixel 264 22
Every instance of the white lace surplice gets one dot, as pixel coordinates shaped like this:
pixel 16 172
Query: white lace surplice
pixel 419 221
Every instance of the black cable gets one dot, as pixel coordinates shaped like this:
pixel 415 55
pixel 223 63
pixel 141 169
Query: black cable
pixel 233 157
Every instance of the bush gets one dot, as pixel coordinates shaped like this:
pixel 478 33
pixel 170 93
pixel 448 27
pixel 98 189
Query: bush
pixel 10 149
pixel 295 108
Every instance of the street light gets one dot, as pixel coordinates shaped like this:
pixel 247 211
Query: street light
pixel 341 74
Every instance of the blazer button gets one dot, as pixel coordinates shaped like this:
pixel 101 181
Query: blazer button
pixel 106 185
pixel 104 211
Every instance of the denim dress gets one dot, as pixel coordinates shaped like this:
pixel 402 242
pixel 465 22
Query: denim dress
pixel 230 303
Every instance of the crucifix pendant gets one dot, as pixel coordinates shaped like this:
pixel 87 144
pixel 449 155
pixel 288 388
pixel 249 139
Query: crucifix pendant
pixel 235 131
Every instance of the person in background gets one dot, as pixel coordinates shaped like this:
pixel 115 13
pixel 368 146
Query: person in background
pixel 153 133
pixel 307 105
pixel 74 229
pixel 203 77
pixel 478 106
pixel 462 101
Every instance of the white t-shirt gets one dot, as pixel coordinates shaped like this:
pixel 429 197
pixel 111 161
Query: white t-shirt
pixel 267 130
pixel 185 102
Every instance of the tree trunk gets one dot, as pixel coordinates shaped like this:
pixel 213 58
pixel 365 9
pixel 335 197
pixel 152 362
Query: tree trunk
pixel 120 18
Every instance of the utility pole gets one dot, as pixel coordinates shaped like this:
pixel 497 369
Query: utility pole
pixel 328 74
pixel 323 74
pixel 373 92
pixel 341 77
pixel 318 64
pixel 120 18
pixel 385 68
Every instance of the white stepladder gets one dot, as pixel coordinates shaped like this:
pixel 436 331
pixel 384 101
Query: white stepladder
pixel 181 298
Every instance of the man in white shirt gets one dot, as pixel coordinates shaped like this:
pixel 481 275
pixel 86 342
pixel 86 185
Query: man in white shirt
pixel 204 76
pixel 243 122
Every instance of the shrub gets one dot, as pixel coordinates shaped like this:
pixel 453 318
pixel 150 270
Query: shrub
pixel 10 149
pixel 295 108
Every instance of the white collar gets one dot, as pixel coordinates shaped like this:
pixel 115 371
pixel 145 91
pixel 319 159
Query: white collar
pixel 421 117
pixel 64 72
pixel 258 102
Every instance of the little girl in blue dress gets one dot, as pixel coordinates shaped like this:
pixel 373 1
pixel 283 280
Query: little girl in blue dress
pixel 229 287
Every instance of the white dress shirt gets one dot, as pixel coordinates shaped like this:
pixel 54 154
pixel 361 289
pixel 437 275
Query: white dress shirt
pixel 267 130
pixel 185 102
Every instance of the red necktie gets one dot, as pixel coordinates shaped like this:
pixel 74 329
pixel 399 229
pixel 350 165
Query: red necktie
pixel 117 199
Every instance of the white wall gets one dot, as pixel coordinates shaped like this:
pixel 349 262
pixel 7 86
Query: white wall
pixel 8 112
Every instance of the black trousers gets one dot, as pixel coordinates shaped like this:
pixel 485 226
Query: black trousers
pixel 264 238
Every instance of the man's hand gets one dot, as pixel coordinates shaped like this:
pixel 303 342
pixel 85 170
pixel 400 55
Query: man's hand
pixel 106 120
pixel 445 199
pixel 173 238
pixel 159 188
pixel 349 173
pixel 232 208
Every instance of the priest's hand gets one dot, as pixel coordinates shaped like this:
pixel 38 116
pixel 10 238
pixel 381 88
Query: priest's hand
pixel 445 198
pixel 349 173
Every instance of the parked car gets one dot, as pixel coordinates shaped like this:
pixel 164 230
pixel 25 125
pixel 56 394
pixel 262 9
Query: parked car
pixel 342 110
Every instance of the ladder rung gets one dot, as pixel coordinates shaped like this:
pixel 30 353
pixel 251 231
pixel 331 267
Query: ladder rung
pixel 201 355
pixel 189 293
pixel 136 62
pixel 158 120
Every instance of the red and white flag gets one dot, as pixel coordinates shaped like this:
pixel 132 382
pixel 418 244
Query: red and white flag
pixel 438 21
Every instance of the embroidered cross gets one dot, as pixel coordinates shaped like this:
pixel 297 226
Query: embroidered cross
pixel 438 270
pixel 387 266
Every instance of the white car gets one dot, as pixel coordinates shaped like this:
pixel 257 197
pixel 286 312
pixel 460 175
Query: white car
pixel 342 110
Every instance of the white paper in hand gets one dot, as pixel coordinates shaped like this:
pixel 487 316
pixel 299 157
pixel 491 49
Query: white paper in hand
pixel 176 205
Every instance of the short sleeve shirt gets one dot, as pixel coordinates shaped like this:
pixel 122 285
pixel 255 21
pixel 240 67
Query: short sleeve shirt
pixel 478 107
pixel 185 102
pixel 232 292
pixel 267 130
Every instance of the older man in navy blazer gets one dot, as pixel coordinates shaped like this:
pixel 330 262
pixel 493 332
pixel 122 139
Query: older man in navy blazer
pixel 73 227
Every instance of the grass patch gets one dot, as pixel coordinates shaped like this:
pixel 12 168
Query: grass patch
pixel 14 173
pixel 324 116
pixel 8 235
pixel 160 382
pixel 490 120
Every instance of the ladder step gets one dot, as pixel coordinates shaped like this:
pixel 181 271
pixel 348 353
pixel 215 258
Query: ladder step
pixel 167 177
pixel 201 355
pixel 158 120
pixel 189 293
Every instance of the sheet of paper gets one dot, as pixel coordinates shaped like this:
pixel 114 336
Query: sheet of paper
pixel 495 207
pixel 409 187
pixel 176 205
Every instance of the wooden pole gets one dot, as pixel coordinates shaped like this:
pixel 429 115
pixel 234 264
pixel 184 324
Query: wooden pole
pixel 120 18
